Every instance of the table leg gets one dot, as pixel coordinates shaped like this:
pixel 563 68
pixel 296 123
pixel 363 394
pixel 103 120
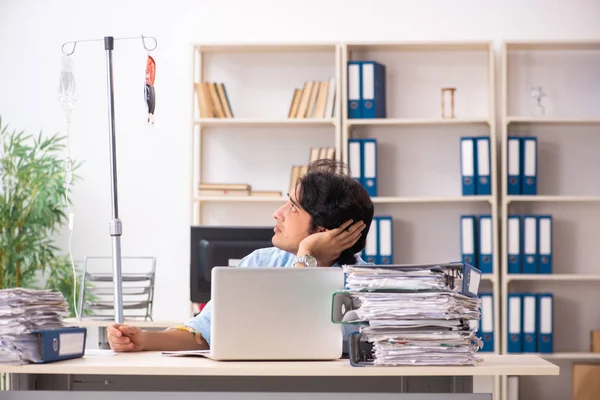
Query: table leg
pixel 102 340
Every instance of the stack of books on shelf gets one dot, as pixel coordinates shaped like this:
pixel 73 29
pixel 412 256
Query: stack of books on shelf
pixel 411 314
pixel 315 100
pixel 213 101
pixel 32 328
pixel 228 189
pixel 316 153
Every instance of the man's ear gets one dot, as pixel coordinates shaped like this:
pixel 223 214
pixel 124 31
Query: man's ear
pixel 321 229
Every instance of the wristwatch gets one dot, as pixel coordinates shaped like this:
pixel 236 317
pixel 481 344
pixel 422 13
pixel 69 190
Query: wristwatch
pixel 308 260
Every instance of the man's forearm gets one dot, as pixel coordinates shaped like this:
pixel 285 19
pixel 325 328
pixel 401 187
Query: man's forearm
pixel 172 340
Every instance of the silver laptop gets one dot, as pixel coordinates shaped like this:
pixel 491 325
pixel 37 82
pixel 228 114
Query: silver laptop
pixel 274 314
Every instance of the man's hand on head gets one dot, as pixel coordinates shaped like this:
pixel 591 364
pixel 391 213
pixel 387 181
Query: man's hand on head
pixel 327 246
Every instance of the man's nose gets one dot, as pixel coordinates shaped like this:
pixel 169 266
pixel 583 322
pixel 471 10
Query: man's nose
pixel 278 214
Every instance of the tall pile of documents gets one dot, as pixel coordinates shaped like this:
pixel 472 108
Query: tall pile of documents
pixel 22 312
pixel 411 314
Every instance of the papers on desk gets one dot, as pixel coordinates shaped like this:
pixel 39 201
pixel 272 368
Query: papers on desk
pixel 427 345
pixel 22 312
pixel 186 353
pixel 410 315
pixel 381 278
pixel 376 306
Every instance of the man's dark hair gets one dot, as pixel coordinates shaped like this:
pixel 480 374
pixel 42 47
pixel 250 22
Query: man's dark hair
pixel 329 194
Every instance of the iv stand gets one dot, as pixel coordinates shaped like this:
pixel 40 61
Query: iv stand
pixel 116 227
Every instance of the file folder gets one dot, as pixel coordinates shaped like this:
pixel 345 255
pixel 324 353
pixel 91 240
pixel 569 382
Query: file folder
pixel 514 244
pixel 457 277
pixel 484 185
pixel 370 252
pixel 529 164
pixel 355 159
pixel 386 240
pixel 545 244
pixel 373 90
pixel 529 323
pixel 530 238
pixel 515 322
pixel 369 172
pixel 514 165
pixel 468 240
pixel 354 89
pixel 485 262
pixel 486 327
pixel 61 343
pixel 546 323
pixel 467 159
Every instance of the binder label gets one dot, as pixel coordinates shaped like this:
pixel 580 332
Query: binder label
pixel 486 235
pixel 529 167
pixel 546 315
pixel 513 158
pixel 529 311
pixel 369 161
pixel 70 343
pixel 545 236
pixel 483 162
pixel 513 237
pixel 468 168
pixel 355 159
pixel 353 83
pixel 468 239
pixel 514 325
pixel 530 239
pixel 487 320
pixel 368 71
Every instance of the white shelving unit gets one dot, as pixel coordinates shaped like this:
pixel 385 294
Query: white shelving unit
pixel 259 145
pixel 568 137
pixel 418 171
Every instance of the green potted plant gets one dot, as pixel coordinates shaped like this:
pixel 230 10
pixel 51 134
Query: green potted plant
pixel 33 207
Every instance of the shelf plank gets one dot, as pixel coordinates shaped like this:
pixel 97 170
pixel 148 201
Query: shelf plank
pixel 552 277
pixel 415 121
pixel 553 120
pixel 420 46
pixel 241 199
pixel 553 45
pixel 583 355
pixel 266 47
pixel 432 199
pixel 376 200
pixel 264 121
pixel 554 198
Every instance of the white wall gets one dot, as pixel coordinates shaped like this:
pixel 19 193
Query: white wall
pixel 154 165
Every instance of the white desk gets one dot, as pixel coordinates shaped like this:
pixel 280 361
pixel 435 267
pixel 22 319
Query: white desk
pixel 151 372
pixel 103 323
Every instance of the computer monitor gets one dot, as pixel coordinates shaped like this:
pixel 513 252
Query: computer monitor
pixel 220 246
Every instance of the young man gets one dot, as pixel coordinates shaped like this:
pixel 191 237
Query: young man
pixel 324 223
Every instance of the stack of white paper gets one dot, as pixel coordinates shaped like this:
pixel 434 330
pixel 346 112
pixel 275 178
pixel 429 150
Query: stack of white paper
pixel 23 311
pixel 413 316
pixel 406 279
